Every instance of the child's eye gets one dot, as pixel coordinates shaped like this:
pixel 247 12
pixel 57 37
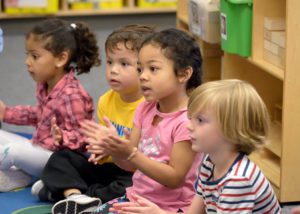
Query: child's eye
pixel 109 62
pixel 139 70
pixel 200 119
pixel 153 69
pixel 125 64
pixel 35 56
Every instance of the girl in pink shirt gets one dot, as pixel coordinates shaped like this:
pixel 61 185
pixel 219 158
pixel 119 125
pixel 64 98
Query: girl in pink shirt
pixel 55 50
pixel 159 149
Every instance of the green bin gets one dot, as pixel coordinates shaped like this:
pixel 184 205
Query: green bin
pixel 236 26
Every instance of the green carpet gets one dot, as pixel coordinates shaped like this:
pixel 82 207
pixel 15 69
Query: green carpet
pixel 39 209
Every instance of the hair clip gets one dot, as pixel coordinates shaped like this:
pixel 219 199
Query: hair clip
pixel 73 25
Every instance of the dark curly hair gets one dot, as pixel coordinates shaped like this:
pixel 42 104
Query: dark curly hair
pixel 183 50
pixel 60 35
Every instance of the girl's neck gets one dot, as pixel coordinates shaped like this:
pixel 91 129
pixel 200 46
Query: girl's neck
pixel 54 80
pixel 132 97
pixel 222 162
pixel 175 102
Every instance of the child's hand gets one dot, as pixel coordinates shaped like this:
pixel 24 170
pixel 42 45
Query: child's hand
pixel 2 108
pixel 56 133
pixel 95 133
pixel 118 147
pixel 97 153
pixel 137 205
pixel 95 158
pixel 296 210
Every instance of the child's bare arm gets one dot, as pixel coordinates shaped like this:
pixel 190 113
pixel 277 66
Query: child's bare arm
pixel 197 206
pixel 170 175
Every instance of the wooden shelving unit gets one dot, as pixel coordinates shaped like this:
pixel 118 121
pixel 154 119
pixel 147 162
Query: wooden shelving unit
pixel 130 7
pixel 211 53
pixel 279 89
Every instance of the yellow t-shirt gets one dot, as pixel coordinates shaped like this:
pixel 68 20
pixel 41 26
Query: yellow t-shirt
pixel 119 112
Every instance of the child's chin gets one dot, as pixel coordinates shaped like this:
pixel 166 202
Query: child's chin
pixel 195 148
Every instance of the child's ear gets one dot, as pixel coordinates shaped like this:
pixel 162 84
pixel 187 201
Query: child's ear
pixel 185 74
pixel 62 59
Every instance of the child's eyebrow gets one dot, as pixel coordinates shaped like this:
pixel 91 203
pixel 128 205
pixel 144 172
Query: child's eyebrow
pixel 124 58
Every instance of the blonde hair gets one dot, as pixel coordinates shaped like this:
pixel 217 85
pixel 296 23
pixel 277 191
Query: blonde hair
pixel 242 114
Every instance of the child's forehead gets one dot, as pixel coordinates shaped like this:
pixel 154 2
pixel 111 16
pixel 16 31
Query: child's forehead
pixel 34 41
pixel 202 106
pixel 121 46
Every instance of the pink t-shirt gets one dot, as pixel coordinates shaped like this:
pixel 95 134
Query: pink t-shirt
pixel 156 142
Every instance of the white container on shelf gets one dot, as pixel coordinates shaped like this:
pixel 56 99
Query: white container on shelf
pixel 204 19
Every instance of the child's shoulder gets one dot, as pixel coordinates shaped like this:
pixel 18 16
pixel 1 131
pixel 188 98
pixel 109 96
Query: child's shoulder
pixel 113 96
pixel 108 94
pixel 147 106
pixel 75 90
pixel 246 171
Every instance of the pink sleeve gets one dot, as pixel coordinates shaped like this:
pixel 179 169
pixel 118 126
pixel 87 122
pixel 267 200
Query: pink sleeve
pixel 181 132
pixel 21 115
pixel 73 110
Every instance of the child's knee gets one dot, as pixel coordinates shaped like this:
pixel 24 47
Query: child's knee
pixel 9 155
pixel 6 156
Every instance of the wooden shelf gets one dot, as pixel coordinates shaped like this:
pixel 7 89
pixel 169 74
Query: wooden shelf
pixel 279 89
pixel 68 13
pixel 268 67
pixel 269 164
pixel 275 139
pixel 183 19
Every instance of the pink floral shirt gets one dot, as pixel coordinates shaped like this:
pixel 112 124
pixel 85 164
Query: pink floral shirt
pixel 67 101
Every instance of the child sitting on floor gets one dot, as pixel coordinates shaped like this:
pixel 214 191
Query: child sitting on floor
pixel 56 50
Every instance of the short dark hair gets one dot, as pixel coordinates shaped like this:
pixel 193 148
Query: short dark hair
pixel 130 35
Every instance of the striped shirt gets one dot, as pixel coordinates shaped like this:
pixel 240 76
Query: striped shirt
pixel 243 189
pixel 67 101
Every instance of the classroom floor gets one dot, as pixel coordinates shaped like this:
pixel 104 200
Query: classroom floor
pixel 10 202
pixel 287 208
pixel 23 198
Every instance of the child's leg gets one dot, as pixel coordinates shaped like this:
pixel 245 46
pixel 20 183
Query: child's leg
pixel 112 182
pixel 104 208
pixel 65 170
pixel 6 139
pixel 20 152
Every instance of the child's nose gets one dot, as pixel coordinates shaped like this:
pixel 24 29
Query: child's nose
pixel 190 126
pixel 143 76
pixel 27 62
pixel 114 70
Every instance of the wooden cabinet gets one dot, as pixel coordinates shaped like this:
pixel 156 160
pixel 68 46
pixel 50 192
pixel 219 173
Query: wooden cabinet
pixel 211 53
pixel 130 7
pixel 279 88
